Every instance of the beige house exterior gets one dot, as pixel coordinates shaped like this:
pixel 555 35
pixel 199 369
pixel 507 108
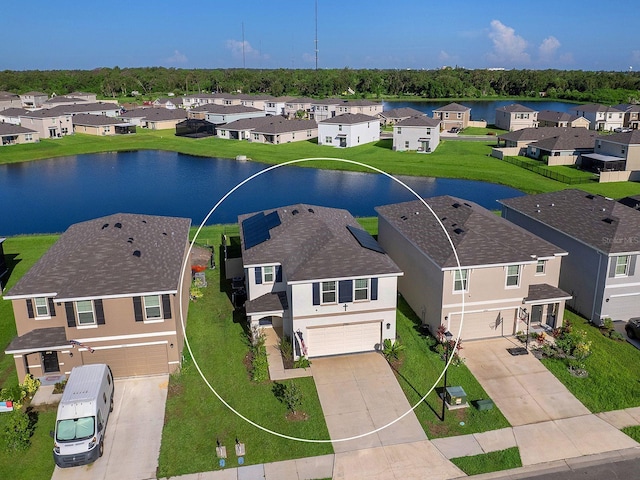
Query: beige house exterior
pixel 9 100
pixel 272 129
pixel 507 280
pixel 516 117
pixel 101 125
pixel 11 134
pixel 391 117
pixel 418 134
pixel 111 290
pixel 601 117
pixel 33 99
pixel 48 123
pixel 295 105
pixel 621 146
pixel 453 115
pixel 550 118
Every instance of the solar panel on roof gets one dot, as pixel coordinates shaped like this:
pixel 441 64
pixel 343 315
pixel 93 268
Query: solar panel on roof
pixel 272 220
pixel 364 239
pixel 255 229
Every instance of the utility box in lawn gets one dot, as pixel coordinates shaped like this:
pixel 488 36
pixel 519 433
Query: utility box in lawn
pixel 456 397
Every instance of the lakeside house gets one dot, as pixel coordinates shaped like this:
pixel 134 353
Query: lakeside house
pixel 348 130
pixel 418 134
pixel 516 117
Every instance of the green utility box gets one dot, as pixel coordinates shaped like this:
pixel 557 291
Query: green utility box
pixel 486 404
pixel 456 396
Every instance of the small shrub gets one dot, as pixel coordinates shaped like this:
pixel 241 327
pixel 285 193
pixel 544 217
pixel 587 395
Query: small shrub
pixel 613 335
pixel 392 349
pixel 30 385
pixel 195 292
pixel 286 347
pixel 18 431
pixel 14 394
pixel 259 361
pixel 302 362
pixel 59 386
pixel 607 324
pixel 292 396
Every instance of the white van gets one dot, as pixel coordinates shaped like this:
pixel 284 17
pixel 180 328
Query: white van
pixel 82 416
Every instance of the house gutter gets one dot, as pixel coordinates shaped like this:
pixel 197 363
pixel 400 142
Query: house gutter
pixel 595 288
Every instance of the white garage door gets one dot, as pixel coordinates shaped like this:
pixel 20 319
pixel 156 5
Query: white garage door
pixel 340 339
pixel 131 361
pixel 483 324
pixel 622 307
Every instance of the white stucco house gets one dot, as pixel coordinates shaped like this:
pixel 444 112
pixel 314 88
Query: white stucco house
pixel 419 133
pixel 349 130
pixel 313 274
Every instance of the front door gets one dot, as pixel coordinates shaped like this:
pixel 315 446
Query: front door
pixel 50 362
pixel 536 314
pixel 343 142
pixel 425 146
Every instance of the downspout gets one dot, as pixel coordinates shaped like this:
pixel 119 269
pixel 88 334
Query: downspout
pixel 595 289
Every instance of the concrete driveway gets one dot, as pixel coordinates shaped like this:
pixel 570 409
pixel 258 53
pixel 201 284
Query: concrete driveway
pixel 359 393
pixel 524 390
pixel 134 431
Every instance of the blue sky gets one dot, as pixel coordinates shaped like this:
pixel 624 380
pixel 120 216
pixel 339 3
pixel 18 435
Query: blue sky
pixel 564 34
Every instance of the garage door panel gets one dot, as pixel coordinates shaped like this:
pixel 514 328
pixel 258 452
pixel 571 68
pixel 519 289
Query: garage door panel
pixel 344 338
pixel 483 324
pixel 131 361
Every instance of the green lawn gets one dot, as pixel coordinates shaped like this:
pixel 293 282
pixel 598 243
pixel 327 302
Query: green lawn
pixel 489 462
pixel 614 377
pixel 488 130
pixel 419 370
pixel 633 432
pixel 452 159
pixel 195 418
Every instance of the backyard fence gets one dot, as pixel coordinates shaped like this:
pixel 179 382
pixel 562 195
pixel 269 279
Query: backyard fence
pixel 545 171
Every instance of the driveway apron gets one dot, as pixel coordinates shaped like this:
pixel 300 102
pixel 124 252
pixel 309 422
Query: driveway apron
pixel 359 393
pixel 134 432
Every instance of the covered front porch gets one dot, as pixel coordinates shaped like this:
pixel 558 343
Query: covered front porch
pixel 543 308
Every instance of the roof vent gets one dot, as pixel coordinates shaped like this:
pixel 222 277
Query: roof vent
pixel 456 205
pixel 118 225
pixel 144 221
pixel 294 212
pixel 458 231
pixel 467 204
pixel 404 217
pixel 137 253
pixel 591 197
pixel 552 205
pixel 608 220
pixel 130 240
pixel 537 205
pixel 105 226
pixel 164 233
pixel 310 210
pixel 538 211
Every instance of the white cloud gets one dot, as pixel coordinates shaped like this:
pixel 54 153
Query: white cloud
pixel 177 58
pixel 548 47
pixel 635 56
pixel 309 57
pixel 236 48
pixel 508 48
pixel 443 56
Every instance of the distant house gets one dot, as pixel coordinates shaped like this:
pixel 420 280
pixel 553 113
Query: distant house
pixel 254 101
pixel 631 115
pixel 111 290
pixel 162 118
pixel 197 99
pixel 219 114
pixel 170 103
pixel 619 151
pixel 601 236
pixel 324 108
pixel 270 129
pixel 516 142
pixel 365 107
pixel 63 100
pixel 453 115
pixel 276 106
pixel 12 115
pixel 566 148
pixel 420 134
pixel 33 99
pixel 108 109
pixel 601 117
pixel 516 117
pixel 101 125
pixel 506 274
pixel 11 134
pixel 349 130
pixel 391 117
pixel 550 118
pixel 298 107
pixel 315 275
pixel 49 123
pixel 86 96
pixel 9 100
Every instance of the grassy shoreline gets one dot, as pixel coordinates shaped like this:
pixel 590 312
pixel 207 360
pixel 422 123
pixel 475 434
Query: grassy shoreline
pixel 452 159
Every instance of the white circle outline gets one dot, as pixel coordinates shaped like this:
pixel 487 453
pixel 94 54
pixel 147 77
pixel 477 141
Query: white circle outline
pixel 186 340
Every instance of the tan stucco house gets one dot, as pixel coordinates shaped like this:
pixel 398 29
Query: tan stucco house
pixel 453 115
pixel 11 134
pixel 49 123
pixel 551 118
pixel 101 125
pixel 516 117
pixel 108 291
pixel 418 134
pixel 507 276
pixel 272 129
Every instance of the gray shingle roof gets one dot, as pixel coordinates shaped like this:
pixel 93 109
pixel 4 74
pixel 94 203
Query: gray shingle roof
pixel 98 258
pixel 403 112
pixel 161 114
pixel 599 222
pixel 62 99
pixel 595 107
pixel 419 121
pixel 626 138
pixel 544 291
pixel 96 120
pixel 86 107
pixel 11 129
pixel 350 119
pixel 479 236
pixel 13 112
pixel 269 302
pixel 452 107
pixel 225 109
pixel 553 116
pixel 534 134
pixel 515 107
pixel 579 138
pixel 39 339
pixel 314 243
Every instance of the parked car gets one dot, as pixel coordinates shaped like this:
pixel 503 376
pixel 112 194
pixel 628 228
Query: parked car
pixel 621 130
pixel 633 327
pixel 454 130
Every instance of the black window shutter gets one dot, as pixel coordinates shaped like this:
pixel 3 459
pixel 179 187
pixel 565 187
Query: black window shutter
pixel 374 289
pixel 632 265
pixel 137 309
pixel 258 275
pixel 345 291
pixel 278 273
pixel 52 307
pixel 612 266
pixel 30 308
pixel 99 311
pixel 316 293
pixel 71 314
pixel 166 306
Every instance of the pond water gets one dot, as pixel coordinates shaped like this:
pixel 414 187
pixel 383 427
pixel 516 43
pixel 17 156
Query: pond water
pixel 49 195
pixel 482 109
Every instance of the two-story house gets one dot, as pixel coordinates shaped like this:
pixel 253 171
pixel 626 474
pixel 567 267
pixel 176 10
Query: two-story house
pixel 9 100
pixel 453 115
pixel 49 123
pixel 602 237
pixel 313 273
pixel 506 276
pixel 298 107
pixel 349 130
pixel 111 290
pixel 516 117
pixel 601 117
pixel 621 146
pixel 631 115
pixel 395 115
pixel 11 134
pixel 419 133
pixel 551 118
pixel 33 99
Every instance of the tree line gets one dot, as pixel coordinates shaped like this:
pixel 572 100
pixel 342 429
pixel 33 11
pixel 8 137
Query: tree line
pixel 584 86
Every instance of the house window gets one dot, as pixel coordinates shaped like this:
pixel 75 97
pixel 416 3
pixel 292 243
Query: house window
pixel 460 280
pixel 28 137
pixel 428 131
pixel 267 274
pixel 459 115
pixel 446 115
pixel 361 289
pixel 328 140
pixel 406 144
pixel 540 267
pixel 64 130
pixel 329 292
pixel 152 309
pixel 339 128
pixel 513 275
pixel 84 310
pixel 308 133
pixel 42 307
pixel 399 130
pixel 622 266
